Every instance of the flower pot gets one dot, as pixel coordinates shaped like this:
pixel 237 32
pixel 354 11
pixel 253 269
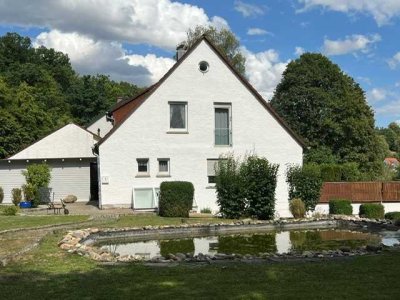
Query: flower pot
pixel 25 204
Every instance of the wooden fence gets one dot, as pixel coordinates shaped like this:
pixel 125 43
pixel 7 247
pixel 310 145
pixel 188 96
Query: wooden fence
pixel 361 192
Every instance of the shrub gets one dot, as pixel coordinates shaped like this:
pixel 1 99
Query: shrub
pixel 205 210
pixel 38 176
pixel 394 215
pixel 1 194
pixel 16 196
pixel 176 198
pixel 305 183
pixel 230 188
pixel 10 210
pixel 340 207
pixel 259 178
pixel 29 192
pixel 297 208
pixel 372 211
pixel 70 199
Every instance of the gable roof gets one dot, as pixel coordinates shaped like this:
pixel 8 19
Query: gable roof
pixel 139 99
pixel 30 152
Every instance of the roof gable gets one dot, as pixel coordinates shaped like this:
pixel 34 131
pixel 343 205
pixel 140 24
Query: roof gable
pixel 69 141
pixel 135 102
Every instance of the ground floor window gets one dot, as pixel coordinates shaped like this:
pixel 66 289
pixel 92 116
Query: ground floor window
pixel 145 198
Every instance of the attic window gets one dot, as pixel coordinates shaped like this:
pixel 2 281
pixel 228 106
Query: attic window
pixel 203 66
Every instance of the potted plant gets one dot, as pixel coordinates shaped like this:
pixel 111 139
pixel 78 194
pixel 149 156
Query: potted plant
pixel 29 195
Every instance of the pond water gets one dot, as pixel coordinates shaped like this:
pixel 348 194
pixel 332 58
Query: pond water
pixel 255 243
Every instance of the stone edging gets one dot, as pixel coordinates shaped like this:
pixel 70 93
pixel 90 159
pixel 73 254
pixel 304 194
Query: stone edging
pixel 80 241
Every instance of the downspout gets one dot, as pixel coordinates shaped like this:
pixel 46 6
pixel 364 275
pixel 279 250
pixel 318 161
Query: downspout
pixel 95 151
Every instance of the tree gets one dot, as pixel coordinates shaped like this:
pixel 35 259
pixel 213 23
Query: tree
pixel 328 109
pixel 224 40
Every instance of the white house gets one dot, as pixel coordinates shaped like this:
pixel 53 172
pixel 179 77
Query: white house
pixel 177 129
pixel 100 126
pixel 68 151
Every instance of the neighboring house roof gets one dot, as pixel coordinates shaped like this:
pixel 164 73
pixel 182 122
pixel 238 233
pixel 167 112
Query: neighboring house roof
pixel 391 161
pixel 69 141
pixel 139 99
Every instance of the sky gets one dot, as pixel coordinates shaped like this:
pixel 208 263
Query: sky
pixel 135 40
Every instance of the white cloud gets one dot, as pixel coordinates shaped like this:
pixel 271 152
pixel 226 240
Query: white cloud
pixel 299 51
pixel 394 61
pixel 376 94
pixel 257 31
pixel 390 109
pixel 247 9
pixel 351 44
pixel 92 57
pixel 383 11
pixel 264 70
pixel 162 23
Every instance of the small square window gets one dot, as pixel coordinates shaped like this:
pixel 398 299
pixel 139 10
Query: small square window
pixel 143 166
pixel 178 115
pixel 163 166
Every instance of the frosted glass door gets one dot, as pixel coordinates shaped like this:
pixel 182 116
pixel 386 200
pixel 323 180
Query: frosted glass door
pixel 144 198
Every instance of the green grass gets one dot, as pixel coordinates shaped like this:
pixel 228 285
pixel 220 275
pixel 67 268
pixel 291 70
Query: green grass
pixel 13 222
pixel 50 273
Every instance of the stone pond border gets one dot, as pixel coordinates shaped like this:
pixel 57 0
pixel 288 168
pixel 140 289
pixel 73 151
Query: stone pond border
pixel 81 241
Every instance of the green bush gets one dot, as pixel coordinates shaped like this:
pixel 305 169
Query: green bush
pixel 10 210
pixel 206 210
pixel 305 183
pixel 259 177
pixel 37 176
pixel 297 208
pixel 176 198
pixel 1 194
pixel 16 196
pixel 394 215
pixel 340 207
pixel 230 188
pixel 29 192
pixel 372 211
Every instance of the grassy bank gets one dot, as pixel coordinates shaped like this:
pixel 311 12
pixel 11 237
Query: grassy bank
pixel 48 272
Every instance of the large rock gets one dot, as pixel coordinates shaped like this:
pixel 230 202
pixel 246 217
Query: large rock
pixel 70 199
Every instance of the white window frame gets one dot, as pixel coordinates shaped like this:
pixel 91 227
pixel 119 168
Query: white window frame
pixel 178 130
pixel 155 191
pixel 143 174
pixel 229 107
pixel 164 174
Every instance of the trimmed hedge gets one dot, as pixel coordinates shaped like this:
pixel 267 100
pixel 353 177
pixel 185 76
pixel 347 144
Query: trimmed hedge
pixel 176 198
pixel 340 207
pixel 372 211
pixel 394 215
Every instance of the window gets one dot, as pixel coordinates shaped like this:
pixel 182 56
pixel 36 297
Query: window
pixel 163 166
pixel 203 66
pixel 178 115
pixel 144 198
pixel 211 167
pixel 223 132
pixel 143 166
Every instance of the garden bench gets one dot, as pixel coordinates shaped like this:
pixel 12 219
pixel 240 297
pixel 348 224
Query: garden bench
pixel 57 207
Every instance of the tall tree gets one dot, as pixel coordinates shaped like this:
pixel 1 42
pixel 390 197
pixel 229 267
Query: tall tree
pixel 224 40
pixel 328 108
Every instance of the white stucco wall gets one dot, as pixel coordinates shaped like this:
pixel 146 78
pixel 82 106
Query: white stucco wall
pixel 101 124
pixel 389 207
pixel 144 135
pixel 67 177
pixel 67 142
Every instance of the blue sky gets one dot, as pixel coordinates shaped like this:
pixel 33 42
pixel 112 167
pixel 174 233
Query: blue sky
pixel 134 40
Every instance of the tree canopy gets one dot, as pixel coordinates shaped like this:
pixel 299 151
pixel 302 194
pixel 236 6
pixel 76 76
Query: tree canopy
pixel 224 40
pixel 329 110
pixel 40 92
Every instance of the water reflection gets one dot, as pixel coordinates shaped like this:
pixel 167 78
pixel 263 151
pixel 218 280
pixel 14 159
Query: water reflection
pixel 274 242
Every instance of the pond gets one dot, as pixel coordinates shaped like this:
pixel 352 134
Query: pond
pixel 294 241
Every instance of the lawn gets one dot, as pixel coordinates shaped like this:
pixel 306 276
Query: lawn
pixel 50 273
pixel 12 222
